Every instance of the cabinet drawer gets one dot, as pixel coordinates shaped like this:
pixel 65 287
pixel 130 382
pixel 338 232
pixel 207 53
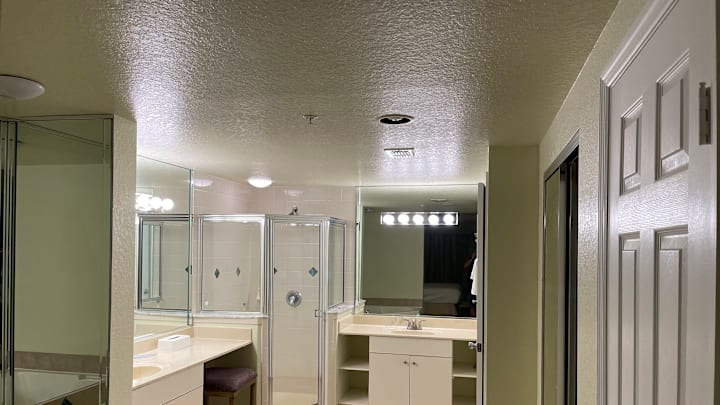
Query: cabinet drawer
pixel 411 346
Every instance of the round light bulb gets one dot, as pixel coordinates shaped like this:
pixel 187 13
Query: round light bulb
pixel 449 219
pixel 433 219
pixel 418 219
pixel 388 219
pixel 143 201
pixel 403 219
pixel 167 204
pixel 156 203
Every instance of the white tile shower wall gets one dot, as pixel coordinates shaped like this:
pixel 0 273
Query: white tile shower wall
pixel 232 248
pixel 297 252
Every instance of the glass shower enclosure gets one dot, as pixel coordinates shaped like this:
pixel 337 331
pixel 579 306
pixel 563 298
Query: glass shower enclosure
pixel 290 268
pixel 307 268
pixel 56 229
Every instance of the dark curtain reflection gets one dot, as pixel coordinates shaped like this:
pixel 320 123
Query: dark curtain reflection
pixel 447 252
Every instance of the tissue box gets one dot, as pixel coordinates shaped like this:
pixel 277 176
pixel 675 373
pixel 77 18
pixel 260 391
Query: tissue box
pixel 173 342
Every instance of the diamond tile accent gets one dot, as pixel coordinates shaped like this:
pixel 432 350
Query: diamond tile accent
pixel 313 272
pixel 217 273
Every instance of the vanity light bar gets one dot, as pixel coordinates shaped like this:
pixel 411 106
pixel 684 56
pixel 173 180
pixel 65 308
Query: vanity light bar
pixel 419 218
pixel 148 203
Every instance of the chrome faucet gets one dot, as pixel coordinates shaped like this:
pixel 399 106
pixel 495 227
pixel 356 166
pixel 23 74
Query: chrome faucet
pixel 414 323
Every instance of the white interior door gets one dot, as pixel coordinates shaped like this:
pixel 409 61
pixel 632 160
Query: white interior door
pixel 661 264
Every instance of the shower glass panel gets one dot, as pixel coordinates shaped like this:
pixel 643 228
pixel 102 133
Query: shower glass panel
pixel 336 263
pixel 295 312
pixel 60 261
pixel 163 266
pixel 232 263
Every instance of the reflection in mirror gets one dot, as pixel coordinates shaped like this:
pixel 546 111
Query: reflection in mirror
pixel 150 265
pixel 417 249
pixel 163 240
pixel 57 219
pixel 163 262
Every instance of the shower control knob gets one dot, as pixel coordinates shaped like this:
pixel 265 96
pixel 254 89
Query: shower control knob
pixel 293 298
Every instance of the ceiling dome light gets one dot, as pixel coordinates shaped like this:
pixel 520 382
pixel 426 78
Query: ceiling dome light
pixel 404 219
pixel 388 219
pixel 19 88
pixel 418 219
pixel 395 119
pixel 260 181
pixel 202 182
pixel 449 219
pixel 433 219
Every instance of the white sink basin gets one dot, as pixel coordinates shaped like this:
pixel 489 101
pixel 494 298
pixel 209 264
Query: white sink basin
pixel 144 371
pixel 410 332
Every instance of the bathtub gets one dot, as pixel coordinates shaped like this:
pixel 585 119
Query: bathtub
pixel 35 387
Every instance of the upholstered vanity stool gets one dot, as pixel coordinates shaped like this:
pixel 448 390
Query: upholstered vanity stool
pixel 228 383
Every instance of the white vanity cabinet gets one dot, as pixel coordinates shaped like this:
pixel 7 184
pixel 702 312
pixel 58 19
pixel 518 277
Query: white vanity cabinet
pixel 412 371
pixel 181 388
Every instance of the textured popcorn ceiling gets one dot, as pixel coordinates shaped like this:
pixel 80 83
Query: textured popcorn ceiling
pixel 221 86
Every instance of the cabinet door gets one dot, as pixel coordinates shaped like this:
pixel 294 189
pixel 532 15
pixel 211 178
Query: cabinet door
pixel 194 397
pixel 430 380
pixel 389 379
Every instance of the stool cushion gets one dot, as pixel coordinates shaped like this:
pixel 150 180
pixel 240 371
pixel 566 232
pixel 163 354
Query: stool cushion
pixel 228 379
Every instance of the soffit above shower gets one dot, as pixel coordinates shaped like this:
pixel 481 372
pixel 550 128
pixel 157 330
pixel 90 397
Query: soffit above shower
pixel 222 87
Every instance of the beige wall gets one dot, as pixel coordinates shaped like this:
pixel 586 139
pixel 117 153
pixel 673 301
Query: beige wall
pixel 511 312
pixel 393 260
pixel 580 112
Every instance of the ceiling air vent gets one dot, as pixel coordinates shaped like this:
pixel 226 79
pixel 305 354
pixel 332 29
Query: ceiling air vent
pixel 400 153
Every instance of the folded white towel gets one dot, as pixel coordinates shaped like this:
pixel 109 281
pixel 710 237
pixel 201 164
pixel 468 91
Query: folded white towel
pixel 473 275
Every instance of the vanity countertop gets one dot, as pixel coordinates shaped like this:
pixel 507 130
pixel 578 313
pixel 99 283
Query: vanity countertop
pixel 366 329
pixel 201 350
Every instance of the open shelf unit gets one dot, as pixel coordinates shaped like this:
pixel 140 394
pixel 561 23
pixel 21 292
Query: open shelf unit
pixel 464 374
pixel 458 400
pixel 353 367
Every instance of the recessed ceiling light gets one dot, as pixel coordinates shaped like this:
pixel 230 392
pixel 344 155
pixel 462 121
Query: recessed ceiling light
pixel 260 181
pixel 19 88
pixel 395 119
pixel 400 153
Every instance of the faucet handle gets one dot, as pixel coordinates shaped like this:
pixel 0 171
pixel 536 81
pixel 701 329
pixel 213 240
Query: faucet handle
pixel 418 323
pixel 411 322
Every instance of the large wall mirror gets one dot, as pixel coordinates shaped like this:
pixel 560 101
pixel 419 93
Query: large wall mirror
pixel 416 250
pixel 163 247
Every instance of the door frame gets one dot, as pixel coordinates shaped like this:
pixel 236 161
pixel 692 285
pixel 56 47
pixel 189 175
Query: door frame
pixel 571 147
pixel 653 15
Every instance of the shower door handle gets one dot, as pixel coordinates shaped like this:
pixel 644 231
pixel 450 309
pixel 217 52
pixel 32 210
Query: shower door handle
pixel 317 313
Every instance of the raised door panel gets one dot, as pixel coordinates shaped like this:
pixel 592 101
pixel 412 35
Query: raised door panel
pixel 389 379
pixel 430 380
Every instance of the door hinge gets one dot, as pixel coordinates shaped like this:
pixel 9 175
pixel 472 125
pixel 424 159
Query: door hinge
pixel 705 115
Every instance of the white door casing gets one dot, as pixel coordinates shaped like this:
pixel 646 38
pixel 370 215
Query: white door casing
pixel 657 292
